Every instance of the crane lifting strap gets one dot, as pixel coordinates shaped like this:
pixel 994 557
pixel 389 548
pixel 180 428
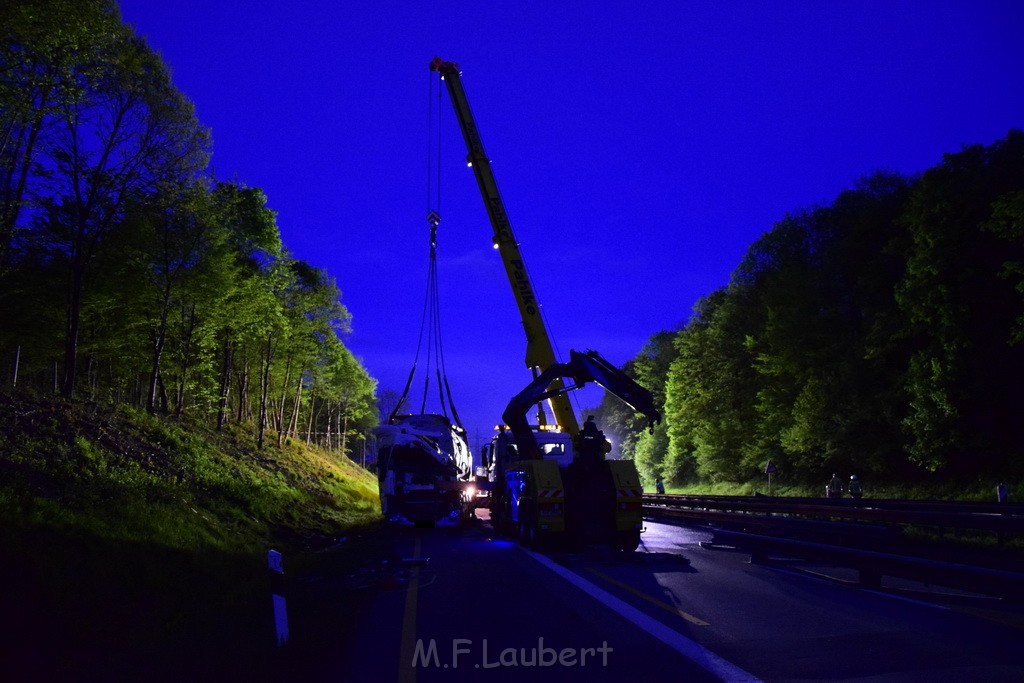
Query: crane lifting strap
pixel 430 323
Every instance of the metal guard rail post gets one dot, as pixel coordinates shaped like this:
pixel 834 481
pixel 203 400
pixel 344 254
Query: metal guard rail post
pixel 873 565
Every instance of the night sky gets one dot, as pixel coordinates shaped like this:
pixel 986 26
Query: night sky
pixel 640 148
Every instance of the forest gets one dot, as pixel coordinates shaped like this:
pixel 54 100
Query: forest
pixel 129 274
pixel 880 335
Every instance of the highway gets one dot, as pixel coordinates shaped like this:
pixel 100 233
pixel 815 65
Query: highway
pixel 462 604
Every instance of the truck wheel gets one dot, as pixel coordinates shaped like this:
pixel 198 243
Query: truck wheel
pixel 527 530
pixel 498 513
pixel 628 541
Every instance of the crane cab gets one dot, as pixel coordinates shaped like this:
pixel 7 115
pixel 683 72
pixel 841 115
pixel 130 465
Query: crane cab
pixel 553 443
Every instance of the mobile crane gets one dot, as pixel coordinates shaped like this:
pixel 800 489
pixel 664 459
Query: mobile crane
pixel 550 482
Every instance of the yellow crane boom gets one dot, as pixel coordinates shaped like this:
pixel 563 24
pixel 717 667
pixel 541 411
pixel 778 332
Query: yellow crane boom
pixel 540 354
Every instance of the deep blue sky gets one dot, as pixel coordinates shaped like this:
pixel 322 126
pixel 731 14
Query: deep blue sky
pixel 640 148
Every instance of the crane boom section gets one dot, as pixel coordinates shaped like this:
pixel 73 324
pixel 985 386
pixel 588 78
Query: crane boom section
pixel 540 353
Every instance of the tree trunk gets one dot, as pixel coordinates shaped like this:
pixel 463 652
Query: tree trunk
pixel 244 409
pixel 309 424
pixel 284 401
pixel 188 327
pixel 74 320
pixel 293 424
pixel 264 390
pixel 225 385
pixel 158 352
pixel 344 432
pixel 13 195
pixel 163 394
pixel 326 443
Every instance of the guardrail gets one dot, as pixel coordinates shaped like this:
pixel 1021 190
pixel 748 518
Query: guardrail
pixel 872 566
pixel 866 535
pixel 1002 518
pixel 879 503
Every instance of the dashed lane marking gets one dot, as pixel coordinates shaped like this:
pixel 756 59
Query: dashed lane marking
pixel 406 671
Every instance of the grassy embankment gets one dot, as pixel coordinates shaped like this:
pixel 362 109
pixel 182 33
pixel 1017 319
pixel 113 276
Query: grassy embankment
pixel 133 544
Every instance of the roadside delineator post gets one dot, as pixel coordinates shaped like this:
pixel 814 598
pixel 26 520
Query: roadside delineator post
pixel 277 592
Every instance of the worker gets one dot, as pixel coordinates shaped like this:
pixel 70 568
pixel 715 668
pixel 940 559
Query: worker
pixel 659 486
pixel 1002 493
pixel 855 491
pixel 590 442
pixel 834 488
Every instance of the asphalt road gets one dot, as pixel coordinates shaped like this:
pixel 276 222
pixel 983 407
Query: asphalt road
pixel 462 604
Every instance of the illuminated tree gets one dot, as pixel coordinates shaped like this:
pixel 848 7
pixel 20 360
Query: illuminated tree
pixel 103 127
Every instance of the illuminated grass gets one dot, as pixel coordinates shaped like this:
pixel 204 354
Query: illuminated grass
pixel 138 544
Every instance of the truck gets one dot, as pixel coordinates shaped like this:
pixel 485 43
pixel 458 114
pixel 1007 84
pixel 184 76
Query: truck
pixel 424 466
pixel 552 481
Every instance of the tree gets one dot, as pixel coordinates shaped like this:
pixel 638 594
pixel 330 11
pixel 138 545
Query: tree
pixel 965 377
pixel 252 250
pixel 116 127
pixel 649 369
pixel 1007 222
pixel 314 320
pixel 712 390
pixel 42 48
pixel 175 235
pixel 354 391
pixel 173 288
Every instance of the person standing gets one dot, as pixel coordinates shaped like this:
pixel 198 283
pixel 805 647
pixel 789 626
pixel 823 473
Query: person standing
pixel 834 488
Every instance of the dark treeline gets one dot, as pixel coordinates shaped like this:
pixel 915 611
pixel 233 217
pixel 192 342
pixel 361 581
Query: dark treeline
pixel 128 274
pixel 880 335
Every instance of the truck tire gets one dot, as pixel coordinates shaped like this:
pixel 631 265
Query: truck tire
pixel 628 541
pixel 528 531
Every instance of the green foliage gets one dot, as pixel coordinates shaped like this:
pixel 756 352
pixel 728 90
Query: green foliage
pixel 622 424
pixel 711 390
pixel 649 453
pixel 102 126
pixel 964 377
pixel 879 335
pixel 1008 223
pixel 183 298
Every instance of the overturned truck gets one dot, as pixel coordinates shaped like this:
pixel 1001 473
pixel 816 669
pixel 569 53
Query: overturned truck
pixel 423 467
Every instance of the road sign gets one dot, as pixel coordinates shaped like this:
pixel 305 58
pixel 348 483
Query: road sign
pixel 768 469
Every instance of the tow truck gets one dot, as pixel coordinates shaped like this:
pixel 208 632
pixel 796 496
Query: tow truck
pixel 550 482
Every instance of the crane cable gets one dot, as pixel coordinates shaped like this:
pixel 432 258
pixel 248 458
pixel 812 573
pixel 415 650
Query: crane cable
pixel 430 322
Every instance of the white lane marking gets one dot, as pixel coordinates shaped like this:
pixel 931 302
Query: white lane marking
pixel 692 650
pixel 810 576
pixel 906 599
pixel 826 579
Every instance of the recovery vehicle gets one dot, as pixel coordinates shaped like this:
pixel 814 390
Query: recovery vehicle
pixel 550 482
